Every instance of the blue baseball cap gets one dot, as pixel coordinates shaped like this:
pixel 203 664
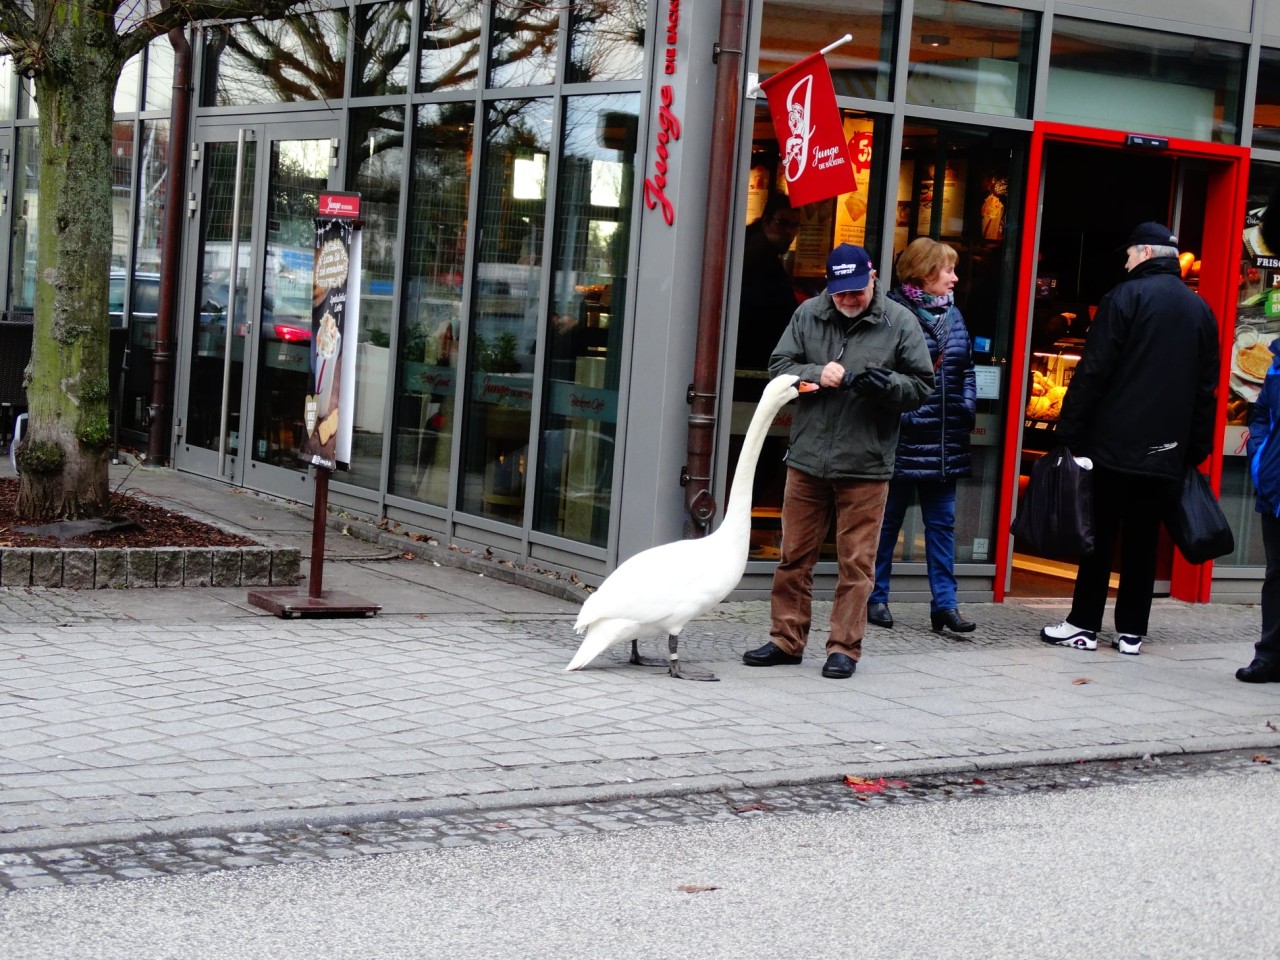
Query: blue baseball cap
pixel 848 269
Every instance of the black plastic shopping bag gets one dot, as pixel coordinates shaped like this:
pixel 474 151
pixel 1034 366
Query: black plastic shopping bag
pixel 1055 515
pixel 1196 522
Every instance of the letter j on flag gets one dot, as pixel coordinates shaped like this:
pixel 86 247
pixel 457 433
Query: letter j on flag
pixel 815 156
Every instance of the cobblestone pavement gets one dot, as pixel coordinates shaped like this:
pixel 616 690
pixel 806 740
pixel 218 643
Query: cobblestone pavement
pixel 308 843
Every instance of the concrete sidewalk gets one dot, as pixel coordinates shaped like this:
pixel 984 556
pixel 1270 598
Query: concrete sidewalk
pixel 138 713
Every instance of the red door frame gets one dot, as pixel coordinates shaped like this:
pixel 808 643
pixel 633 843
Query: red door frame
pixel 1227 197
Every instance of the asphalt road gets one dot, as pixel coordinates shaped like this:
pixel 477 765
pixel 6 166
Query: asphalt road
pixel 1172 868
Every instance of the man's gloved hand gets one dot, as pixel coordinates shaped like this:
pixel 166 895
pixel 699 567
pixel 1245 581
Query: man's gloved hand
pixel 871 382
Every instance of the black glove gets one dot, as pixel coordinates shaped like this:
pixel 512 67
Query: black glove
pixel 871 382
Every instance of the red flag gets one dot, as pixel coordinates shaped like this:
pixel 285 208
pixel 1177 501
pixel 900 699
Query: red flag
pixel 815 156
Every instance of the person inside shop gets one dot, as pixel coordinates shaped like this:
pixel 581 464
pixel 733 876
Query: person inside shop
pixel 933 440
pixel 870 357
pixel 1140 407
pixel 768 298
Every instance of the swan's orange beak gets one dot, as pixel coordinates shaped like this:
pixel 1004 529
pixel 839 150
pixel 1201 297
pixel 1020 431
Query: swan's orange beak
pixel 805 386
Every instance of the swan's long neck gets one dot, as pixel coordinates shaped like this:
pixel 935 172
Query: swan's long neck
pixel 737 512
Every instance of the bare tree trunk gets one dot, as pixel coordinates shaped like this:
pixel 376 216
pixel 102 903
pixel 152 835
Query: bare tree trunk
pixel 63 457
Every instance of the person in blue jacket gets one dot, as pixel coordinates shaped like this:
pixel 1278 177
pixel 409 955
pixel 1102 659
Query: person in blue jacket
pixel 1264 464
pixel 933 440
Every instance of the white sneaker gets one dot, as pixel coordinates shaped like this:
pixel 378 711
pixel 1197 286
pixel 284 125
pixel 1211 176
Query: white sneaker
pixel 1128 643
pixel 1065 635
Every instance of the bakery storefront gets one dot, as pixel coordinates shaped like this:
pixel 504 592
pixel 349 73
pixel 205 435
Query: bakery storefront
pixel 554 194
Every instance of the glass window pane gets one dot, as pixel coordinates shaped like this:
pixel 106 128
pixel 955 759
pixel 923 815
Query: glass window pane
pixel 383 34
pixel 584 329
pixel 22 254
pixel 7 87
pixel 121 191
pixel 298 173
pixel 299 59
pixel 377 139
pixel 522 44
pixel 432 318
pixel 505 296
pixel 972 56
pixel 450 54
pixel 127 92
pixel 606 40
pixel 1266 109
pixel 144 305
pixel 1255 323
pixel 790 31
pixel 159 92
pixel 1126 78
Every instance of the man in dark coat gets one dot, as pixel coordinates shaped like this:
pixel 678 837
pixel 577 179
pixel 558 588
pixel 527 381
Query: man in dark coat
pixel 1140 406
pixel 768 298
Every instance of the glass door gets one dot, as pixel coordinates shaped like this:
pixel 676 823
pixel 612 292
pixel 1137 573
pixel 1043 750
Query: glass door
pixel 247 340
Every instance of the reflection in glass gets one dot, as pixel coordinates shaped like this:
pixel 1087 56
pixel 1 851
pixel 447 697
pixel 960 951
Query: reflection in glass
pixel 606 40
pixel 159 92
pixel 7 86
pixel 450 54
pixel 505 296
pixel 971 56
pixel 121 192
pixel 1266 107
pixel 584 330
pixel 208 350
pixel 432 317
pixel 144 303
pixel 299 172
pixel 22 253
pixel 522 44
pixel 127 93
pixel 860 68
pixel 377 142
pixel 299 59
pixel 383 33
pixel 1133 78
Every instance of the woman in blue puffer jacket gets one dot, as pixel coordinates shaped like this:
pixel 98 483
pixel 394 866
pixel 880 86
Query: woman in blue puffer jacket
pixel 1264 464
pixel 933 443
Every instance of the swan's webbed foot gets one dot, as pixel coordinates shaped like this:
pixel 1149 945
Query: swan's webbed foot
pixel 679 670
pixel 641 661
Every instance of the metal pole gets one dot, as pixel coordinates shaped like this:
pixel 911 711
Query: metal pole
pixel 320 512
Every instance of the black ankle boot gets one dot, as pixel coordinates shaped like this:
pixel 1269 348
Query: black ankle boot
pixel 878 614
pixel 951 620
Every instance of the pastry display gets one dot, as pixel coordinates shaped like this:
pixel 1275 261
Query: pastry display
pixel 1254 360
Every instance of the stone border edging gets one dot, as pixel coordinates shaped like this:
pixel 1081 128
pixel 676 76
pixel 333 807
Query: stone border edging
pixel 85 568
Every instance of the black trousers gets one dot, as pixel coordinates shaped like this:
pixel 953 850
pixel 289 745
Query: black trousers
pixel 1127 509
pixel 1268 646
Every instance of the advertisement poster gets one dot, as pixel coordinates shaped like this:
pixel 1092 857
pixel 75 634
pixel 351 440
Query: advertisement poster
pixel 334 332
pixel 851 207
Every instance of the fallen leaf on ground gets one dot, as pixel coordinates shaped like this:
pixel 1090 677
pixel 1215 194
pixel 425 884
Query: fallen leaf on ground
pixel 1081 680
pixel 1261 758
pixel 863 785
pixel 979 781
pixel 1270 726
pixel 695 888
pixel 752 807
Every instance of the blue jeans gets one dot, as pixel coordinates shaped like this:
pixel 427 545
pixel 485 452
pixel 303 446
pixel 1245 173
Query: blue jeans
pixel 938 510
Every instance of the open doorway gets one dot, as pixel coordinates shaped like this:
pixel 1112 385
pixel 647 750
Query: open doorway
pixel 1092 196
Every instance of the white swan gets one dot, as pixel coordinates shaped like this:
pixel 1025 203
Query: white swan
pixel 661 589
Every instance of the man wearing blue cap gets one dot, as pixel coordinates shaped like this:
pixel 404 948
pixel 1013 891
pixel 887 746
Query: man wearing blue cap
pixel 1141 407
pixel 870 356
